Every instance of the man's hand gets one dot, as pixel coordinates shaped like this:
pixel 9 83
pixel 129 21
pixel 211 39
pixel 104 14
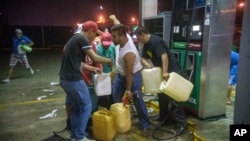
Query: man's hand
pixel 112 17
pixel 97 70
pixel 127 98
pixel 165 76
pixel 110 64
pixel 148 66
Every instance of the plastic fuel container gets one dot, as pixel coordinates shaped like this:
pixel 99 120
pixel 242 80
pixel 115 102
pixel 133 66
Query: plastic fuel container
pixel 26 48
pixel 104 127
pixel 151 79
pixel 102 84
pixel 177 87
pixel 122 117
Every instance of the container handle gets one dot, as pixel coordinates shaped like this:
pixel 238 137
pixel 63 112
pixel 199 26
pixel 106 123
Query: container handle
pixel 105 112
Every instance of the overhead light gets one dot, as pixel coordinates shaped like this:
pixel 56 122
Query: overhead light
pixel 101 7
pixel 241 4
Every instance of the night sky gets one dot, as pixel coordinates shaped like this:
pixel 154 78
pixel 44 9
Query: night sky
pixel 67 12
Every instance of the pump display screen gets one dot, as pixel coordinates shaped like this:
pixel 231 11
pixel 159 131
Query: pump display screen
pixel 196 28
pixel 196 32
pixel 180 31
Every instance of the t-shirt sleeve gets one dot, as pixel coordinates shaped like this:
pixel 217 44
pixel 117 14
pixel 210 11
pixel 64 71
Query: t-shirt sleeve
pixel 85 44
pixel 160 48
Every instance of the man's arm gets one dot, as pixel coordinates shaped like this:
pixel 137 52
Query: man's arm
pixel 129 60
pixel 146 64
pixel 90 68
pixel 165 63
pixel 114 19
pixel 96 58
pixel 28 41
pixel 30 44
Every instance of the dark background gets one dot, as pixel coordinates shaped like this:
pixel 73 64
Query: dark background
pixel 50 23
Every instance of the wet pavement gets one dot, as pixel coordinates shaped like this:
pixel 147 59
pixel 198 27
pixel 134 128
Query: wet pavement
pixel 32 106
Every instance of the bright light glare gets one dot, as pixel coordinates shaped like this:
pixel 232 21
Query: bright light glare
pixel 101 7
pixel 196 28
pixel 101 19
pixel 241 4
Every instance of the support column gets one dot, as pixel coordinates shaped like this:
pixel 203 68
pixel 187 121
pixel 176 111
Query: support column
pixel 242 99
pixel 147 8
pixel 217 41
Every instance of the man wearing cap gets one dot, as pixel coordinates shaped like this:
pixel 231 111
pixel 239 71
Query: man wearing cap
pixel 77 94
pixel 86 72
pixel 90 67
pixel 19 55
pixel 106 49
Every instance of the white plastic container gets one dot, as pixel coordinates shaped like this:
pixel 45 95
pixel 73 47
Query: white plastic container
pixel 122 117
pixel 177 87
pixel 102 84
pixel 151 79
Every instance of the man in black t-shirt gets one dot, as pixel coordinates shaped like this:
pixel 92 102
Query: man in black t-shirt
pixel 77 94
pixel 156 49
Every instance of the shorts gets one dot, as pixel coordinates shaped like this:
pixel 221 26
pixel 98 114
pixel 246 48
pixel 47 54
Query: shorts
pixel 233 75
pixel 22 58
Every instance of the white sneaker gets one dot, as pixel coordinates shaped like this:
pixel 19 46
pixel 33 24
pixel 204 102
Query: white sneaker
pixel 7 80
pixel 84 139
pixel 31 71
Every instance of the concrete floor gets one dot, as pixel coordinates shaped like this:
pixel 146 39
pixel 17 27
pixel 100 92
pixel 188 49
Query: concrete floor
pixel 31 108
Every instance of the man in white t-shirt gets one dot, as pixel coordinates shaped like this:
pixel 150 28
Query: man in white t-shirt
pixel 128 79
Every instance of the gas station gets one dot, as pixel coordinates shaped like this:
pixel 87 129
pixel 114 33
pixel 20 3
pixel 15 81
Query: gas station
pixel 199 34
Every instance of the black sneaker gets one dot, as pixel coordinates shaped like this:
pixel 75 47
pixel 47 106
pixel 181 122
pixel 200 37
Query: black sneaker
pixel 157 118
pixel 181 130
pixel 145 132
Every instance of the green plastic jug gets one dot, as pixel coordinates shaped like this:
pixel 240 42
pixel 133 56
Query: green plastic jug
pixel 26 48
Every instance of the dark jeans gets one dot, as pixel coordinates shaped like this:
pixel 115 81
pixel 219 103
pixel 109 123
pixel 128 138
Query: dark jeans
pixel 78 99
pixel 178 111
pixel 119 88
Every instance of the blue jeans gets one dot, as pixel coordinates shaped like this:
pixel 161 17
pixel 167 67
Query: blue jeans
pixel 79 101
pixel 119 88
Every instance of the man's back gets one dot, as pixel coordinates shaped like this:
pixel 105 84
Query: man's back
pixel 234 58
pixel 155 48
pixel 72 57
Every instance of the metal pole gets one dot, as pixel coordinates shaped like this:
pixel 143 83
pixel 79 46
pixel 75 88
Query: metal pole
pixel 241 111
pixel 217 41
